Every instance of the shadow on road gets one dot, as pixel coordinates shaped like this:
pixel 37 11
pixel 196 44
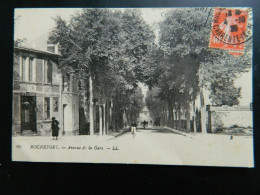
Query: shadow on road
pixel 160 130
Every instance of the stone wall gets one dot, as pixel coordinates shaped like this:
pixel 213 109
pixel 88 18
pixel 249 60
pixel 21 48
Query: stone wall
pixel 220 117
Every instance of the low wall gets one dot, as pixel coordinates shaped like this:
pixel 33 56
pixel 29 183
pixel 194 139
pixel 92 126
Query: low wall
pixel 220 117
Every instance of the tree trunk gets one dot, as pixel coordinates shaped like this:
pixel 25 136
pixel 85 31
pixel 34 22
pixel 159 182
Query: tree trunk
pixel 176 119
pixel 104 118
pixel 194 117
pixel 203 119
pixel 203 116
pixel 173 119
pixel 166 117
pixel 91 121
pixel 188 118
pixel 85 107
pixel 111 115
pixel 202 101
pixel 107 115
pixel 100 119
pixel 170 121
pixel 180 123
pixel 114 116
pixel 163 118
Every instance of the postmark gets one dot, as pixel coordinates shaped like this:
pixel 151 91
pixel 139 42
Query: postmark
pixel 230 30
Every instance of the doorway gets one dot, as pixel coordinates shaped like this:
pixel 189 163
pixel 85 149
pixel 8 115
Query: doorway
pixel 28 113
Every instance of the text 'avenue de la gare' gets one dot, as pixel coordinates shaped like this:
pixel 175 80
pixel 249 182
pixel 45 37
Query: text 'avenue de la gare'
pixel 44 147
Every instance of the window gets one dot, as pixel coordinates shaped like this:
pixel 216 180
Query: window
pixel 50 47
pixel 27 69
pixel 47 71
pixel 22 68
pixel 55 104
pixel 47 108
pixel 30 69
pixel 66 83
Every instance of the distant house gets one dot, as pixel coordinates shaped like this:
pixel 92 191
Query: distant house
pixel 145 116
pixel 40 92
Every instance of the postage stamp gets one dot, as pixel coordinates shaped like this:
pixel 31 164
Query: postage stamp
pixel 229 30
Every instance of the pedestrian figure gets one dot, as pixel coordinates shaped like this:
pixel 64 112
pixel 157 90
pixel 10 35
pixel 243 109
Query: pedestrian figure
pixel 144 123
pixel 133 128
pixel 55 128
pixel 156 122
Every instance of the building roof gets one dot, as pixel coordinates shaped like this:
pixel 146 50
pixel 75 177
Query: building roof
pixel 145 109
pixel 37 51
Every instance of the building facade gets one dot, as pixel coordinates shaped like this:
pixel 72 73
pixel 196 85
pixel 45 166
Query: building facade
pixel 39 94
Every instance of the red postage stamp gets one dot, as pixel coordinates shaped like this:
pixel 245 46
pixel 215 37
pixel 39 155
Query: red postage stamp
pixel 229 30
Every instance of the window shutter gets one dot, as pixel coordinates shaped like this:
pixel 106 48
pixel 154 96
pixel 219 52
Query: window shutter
pixel 39 69
pixel 49 72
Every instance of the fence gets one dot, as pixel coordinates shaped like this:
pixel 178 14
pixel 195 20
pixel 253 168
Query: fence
pixel 210 119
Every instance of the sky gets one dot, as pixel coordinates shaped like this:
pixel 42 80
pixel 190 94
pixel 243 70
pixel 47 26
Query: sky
pixel 33 23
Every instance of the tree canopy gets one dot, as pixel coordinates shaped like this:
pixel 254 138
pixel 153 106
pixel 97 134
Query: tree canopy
pixel 117 48
pixel 185 64
pixel 111 45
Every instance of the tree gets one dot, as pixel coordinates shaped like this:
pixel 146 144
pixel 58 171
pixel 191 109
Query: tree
pixel 223 92
pixel 18 41
pixel 155 104
pixel 106 49
pixel 135 104
pixel 186 64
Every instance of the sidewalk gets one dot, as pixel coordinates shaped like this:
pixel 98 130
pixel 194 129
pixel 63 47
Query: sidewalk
pixel 208 136
pixel 109 134
pixel 117 133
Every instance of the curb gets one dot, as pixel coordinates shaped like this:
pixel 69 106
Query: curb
pixel 123 132
pixel 179 132
pixel 115 136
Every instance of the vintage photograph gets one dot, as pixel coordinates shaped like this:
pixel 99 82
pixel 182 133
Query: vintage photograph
pixel 165 86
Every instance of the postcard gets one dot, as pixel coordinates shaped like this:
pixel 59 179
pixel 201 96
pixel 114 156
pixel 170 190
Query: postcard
pixel 162 86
